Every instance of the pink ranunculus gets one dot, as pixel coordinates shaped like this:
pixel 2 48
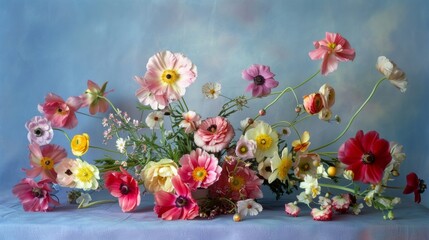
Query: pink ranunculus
pixel 237 182
pixel 214 134
pixel 332 49
pixel 199 169
pixel 313 103
pixel 61 113
pixel 93 97
pixel 366 155
pixel 35 197
pixel 123 186
pixel 180 205
pixel 261 80
pixel 43 159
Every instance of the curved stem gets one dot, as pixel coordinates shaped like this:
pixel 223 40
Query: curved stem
pixel 104 149
pixel 64 132
pixel 353 117
pixel 95 203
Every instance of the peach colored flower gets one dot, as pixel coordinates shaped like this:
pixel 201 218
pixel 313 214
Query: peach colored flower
pixel 157 175
pixel 313 103
pixel 191 121
pixel 394 74
pixel 94 98
pixel 65 176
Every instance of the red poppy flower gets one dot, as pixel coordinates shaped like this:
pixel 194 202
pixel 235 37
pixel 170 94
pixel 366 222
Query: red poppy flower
pixel 366 155
pixel 416 185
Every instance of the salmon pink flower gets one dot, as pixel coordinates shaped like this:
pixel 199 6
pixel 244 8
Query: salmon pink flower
pixel 261 80
pixel 39 130
pixel 191 121
pixel 366 155
pixel 43 159
pixel 313 103
pixel 61 113
pixel 180 205
pixel 94 98
pixel 65 176
pixel 214 134
pixel 332 49
pixel 199 169
pixel 415 185
pixel 123 186
pixel 35 197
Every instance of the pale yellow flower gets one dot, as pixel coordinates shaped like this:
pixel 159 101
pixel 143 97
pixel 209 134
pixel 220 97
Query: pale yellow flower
pixel 157 175
pixel 86 175
pixel 281 166
pixel 303 143
pixel 79 144
pixel 266 140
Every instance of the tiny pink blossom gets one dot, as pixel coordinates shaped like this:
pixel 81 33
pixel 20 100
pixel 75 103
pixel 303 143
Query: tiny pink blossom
pixel 43 159
pixel 261 80
pixel 332 49
pixel 123 186
pixel 35 197
pixel 191 121
pixel 39 130
pixel 179 205
pixel 322 214
pixel 292 209
pixel 93 97
pixel 61 113
pixel 199 169
pixel 214 134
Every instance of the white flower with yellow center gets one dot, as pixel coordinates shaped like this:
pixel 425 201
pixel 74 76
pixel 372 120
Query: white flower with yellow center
pixel 86 175
pixel 211 90
pixel 311 186
pixel 281 166
pixel 266 140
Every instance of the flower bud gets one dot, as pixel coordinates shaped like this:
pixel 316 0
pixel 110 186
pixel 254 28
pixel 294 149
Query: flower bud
pixel 313 103
pixel 332 171
pixel 236 217
pixel 262 112
pixel 328 94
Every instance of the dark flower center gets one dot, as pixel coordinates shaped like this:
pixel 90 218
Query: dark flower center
pixel 368 158
pixel 422 186
pixel 212 128
pixel 37 192
pixel 259 80
pixel 68 172
pixel 38 132
pixel 124 189
pixel 168 76
pixel 181 201
pixel 268 168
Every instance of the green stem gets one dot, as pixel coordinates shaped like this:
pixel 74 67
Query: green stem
pixel 95 203
pixel 104 149
pixel 337 187
pixel 353 117
pixel 65 134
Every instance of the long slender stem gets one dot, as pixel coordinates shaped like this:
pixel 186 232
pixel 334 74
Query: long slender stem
pixel 104 149
pixel 65 134
pixel 95 203
pixel 337 187
pixel 353 117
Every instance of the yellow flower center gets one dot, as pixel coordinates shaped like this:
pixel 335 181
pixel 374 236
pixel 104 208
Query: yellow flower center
pixel 284 167
pixel 243 150
pixel 47 163
pixel 332 45
pixel 264 141
pixel 169 76
pixel 199 174
pixel 236 183
pixel 84 174
pixel 212 91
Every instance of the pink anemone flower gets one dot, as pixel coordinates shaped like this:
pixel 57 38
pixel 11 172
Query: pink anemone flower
pixel 199 169
pixel 366 155
pixel 214 134
pixel 332 49
pixel 35 197
pixel 261 80
pixel 180 205
pixel 123 186
pixel 42 160
pixel 61 113
pixel 93 98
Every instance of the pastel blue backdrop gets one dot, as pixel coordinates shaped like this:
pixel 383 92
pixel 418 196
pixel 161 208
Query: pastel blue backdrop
pixel 56 46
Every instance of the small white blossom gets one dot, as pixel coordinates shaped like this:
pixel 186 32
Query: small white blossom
pixel 211 90
pixel 155 119
pixel 120 145
pixel 248 207
pixel 310 185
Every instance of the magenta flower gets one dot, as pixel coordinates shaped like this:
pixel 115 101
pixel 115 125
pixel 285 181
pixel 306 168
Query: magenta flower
pixel 214 134
pixel 43 159
pixel 180 205
pixel 61 113
pixel 415 185
pixel 93 97
pixel 34 197
pixel 332 49
pixel 39 130
pixel 237 182
pixel 123 186
pixel 261 80
pixel 366 155
pixel 199 169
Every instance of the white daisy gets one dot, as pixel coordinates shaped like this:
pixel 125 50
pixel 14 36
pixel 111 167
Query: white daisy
pixel 155 119
pixel 248 207
pixel 120 145
pixel 211 90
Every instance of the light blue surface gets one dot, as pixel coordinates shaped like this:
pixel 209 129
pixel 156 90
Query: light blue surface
pixel 56 46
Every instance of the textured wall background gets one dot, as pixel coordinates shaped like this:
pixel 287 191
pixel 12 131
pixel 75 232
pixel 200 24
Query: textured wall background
pixel 55 46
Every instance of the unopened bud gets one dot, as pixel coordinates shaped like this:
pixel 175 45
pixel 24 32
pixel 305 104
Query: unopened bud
pixel 236 217
pixel 262 112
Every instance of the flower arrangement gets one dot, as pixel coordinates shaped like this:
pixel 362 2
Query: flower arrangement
pixel 176 154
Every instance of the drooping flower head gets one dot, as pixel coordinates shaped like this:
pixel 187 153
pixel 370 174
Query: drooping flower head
pixel 94 98
pixel 416 186
pixel 167 77
pixel 266 140
pixel 394 74
pixel 366 155
pixel 39 130
pixel 61 113
pixel 34 196
pixel 65 176
pixel 281 166
pixel 332 49
pixel 157 175
pixel 191 121
pixel 199 169
pixel 86 175
pixel 261 80
pixel 79 144
pixel 211 90
pixel 178 205
pixel 214 134
pixel 42 160
pixel 123 186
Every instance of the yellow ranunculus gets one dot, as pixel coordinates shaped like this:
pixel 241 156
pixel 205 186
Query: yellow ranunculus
pixel 157 175
pixel 80 144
